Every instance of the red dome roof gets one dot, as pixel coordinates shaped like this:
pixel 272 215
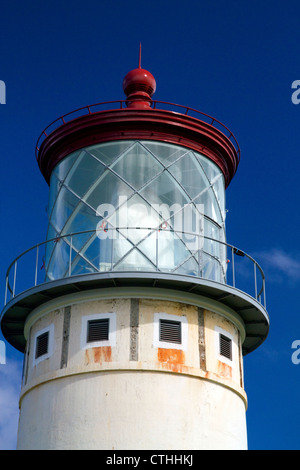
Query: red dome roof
pixel 139 85
pixel 139 80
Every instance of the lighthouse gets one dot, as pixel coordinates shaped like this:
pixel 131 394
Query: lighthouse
pixel 135 313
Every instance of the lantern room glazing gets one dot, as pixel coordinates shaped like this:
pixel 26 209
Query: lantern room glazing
pixel 136 205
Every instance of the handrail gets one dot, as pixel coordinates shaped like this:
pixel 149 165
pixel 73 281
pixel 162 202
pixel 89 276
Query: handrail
pixel 122 105
pixel 234 252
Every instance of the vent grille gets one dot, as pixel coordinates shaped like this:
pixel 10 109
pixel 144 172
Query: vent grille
pixel 225 347
pixel 98 330
pixel 170 331
pixel 42 344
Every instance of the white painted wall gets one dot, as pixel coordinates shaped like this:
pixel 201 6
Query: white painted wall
pixel 132 410
pixel 104 400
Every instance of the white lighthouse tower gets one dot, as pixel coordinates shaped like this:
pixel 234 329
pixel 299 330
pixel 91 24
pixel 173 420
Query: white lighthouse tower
pixel 135 328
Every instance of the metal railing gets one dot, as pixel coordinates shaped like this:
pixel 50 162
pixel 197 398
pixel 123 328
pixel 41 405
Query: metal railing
pixel 121 104
pixel 214 260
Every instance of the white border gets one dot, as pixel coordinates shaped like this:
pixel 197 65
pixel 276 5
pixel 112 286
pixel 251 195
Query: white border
pixel 111 333
pixel 49 329
pixel 222 358
pixel 169 345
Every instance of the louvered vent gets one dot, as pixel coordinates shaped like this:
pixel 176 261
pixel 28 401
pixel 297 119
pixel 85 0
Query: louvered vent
pixel 42 344
pixel 225 347
pixel 170 331
pixel 98 330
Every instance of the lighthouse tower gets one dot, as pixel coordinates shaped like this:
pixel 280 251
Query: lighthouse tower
pixel 134 315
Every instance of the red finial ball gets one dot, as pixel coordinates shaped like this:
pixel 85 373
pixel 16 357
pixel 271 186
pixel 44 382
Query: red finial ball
pixel 139 85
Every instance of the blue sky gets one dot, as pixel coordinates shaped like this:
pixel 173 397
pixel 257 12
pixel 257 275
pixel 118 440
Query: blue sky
pixel 235 60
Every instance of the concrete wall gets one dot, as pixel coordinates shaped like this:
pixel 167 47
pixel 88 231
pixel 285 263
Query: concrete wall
pixel 133 393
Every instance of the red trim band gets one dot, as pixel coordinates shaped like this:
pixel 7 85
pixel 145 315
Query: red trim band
pixel 138 124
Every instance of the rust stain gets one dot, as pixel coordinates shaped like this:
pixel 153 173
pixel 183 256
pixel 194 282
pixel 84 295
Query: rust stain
pixel 87 357
pixel 99 355
pixel 102 354
pixel 224 370
pixel 171 359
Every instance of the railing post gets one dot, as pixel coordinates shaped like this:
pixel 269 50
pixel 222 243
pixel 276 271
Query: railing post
pixel 112 252
pixel 6 287
pixel 255 281
pixel 199 256
pixel 264 288
pixel 70 256
pixel 156 254
pixel 36 265
pixel 15 275
pixel 233 273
